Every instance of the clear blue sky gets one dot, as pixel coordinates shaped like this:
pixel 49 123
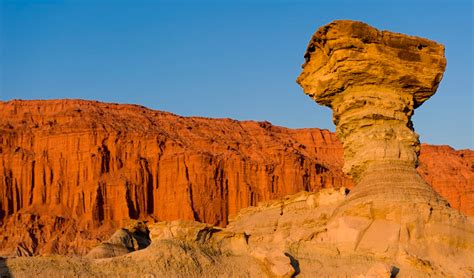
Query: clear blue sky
pixel 236 59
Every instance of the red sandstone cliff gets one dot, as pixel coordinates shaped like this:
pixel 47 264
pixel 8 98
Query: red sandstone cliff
pixel 71 171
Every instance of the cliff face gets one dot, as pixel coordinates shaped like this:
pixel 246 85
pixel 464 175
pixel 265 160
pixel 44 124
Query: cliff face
pixel 450 173
pixel 72 171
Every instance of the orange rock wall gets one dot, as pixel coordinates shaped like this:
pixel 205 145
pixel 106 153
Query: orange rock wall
pixel 71 171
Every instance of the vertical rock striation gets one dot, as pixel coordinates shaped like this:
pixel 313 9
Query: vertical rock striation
pixel 72 171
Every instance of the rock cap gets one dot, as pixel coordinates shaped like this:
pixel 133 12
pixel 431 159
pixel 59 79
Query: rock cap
pixel 346 53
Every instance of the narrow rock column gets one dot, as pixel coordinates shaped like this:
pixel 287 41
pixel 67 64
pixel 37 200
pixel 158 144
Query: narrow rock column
pixel 373 80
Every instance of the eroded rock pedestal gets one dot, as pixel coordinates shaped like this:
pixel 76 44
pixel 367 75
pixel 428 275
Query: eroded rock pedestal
pixel 373 80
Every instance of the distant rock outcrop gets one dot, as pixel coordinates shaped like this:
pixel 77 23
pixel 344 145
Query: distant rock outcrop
pixel 73 171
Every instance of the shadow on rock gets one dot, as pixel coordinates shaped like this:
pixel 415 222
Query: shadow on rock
pixel 294 263
pixel 123 241
pixel 4 272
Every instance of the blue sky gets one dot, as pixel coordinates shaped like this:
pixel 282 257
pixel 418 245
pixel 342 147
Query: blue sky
pixel 236 59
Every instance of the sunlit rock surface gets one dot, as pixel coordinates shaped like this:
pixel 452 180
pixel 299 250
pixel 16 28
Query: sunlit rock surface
pixel 73 171
pixel 373 80
pixel 391 224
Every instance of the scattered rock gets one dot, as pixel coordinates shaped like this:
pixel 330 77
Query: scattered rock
pixel 122 242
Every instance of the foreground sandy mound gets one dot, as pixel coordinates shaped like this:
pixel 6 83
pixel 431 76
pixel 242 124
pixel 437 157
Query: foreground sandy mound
pixel 297 235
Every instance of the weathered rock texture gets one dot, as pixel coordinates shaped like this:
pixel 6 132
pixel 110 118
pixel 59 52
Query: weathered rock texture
pixel 125 240
pixel 72 172
pixel 373 81
pixel 279 238
pixel 454 173
pixel 80 169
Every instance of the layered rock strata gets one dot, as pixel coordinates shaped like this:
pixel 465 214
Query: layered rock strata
pixel 280 238
pixel 373 80
pixel 73 171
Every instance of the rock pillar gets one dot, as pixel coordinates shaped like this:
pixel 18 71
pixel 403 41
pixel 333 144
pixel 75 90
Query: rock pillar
pixel 373 80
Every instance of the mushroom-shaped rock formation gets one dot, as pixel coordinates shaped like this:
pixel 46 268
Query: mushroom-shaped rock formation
pixel 373 80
